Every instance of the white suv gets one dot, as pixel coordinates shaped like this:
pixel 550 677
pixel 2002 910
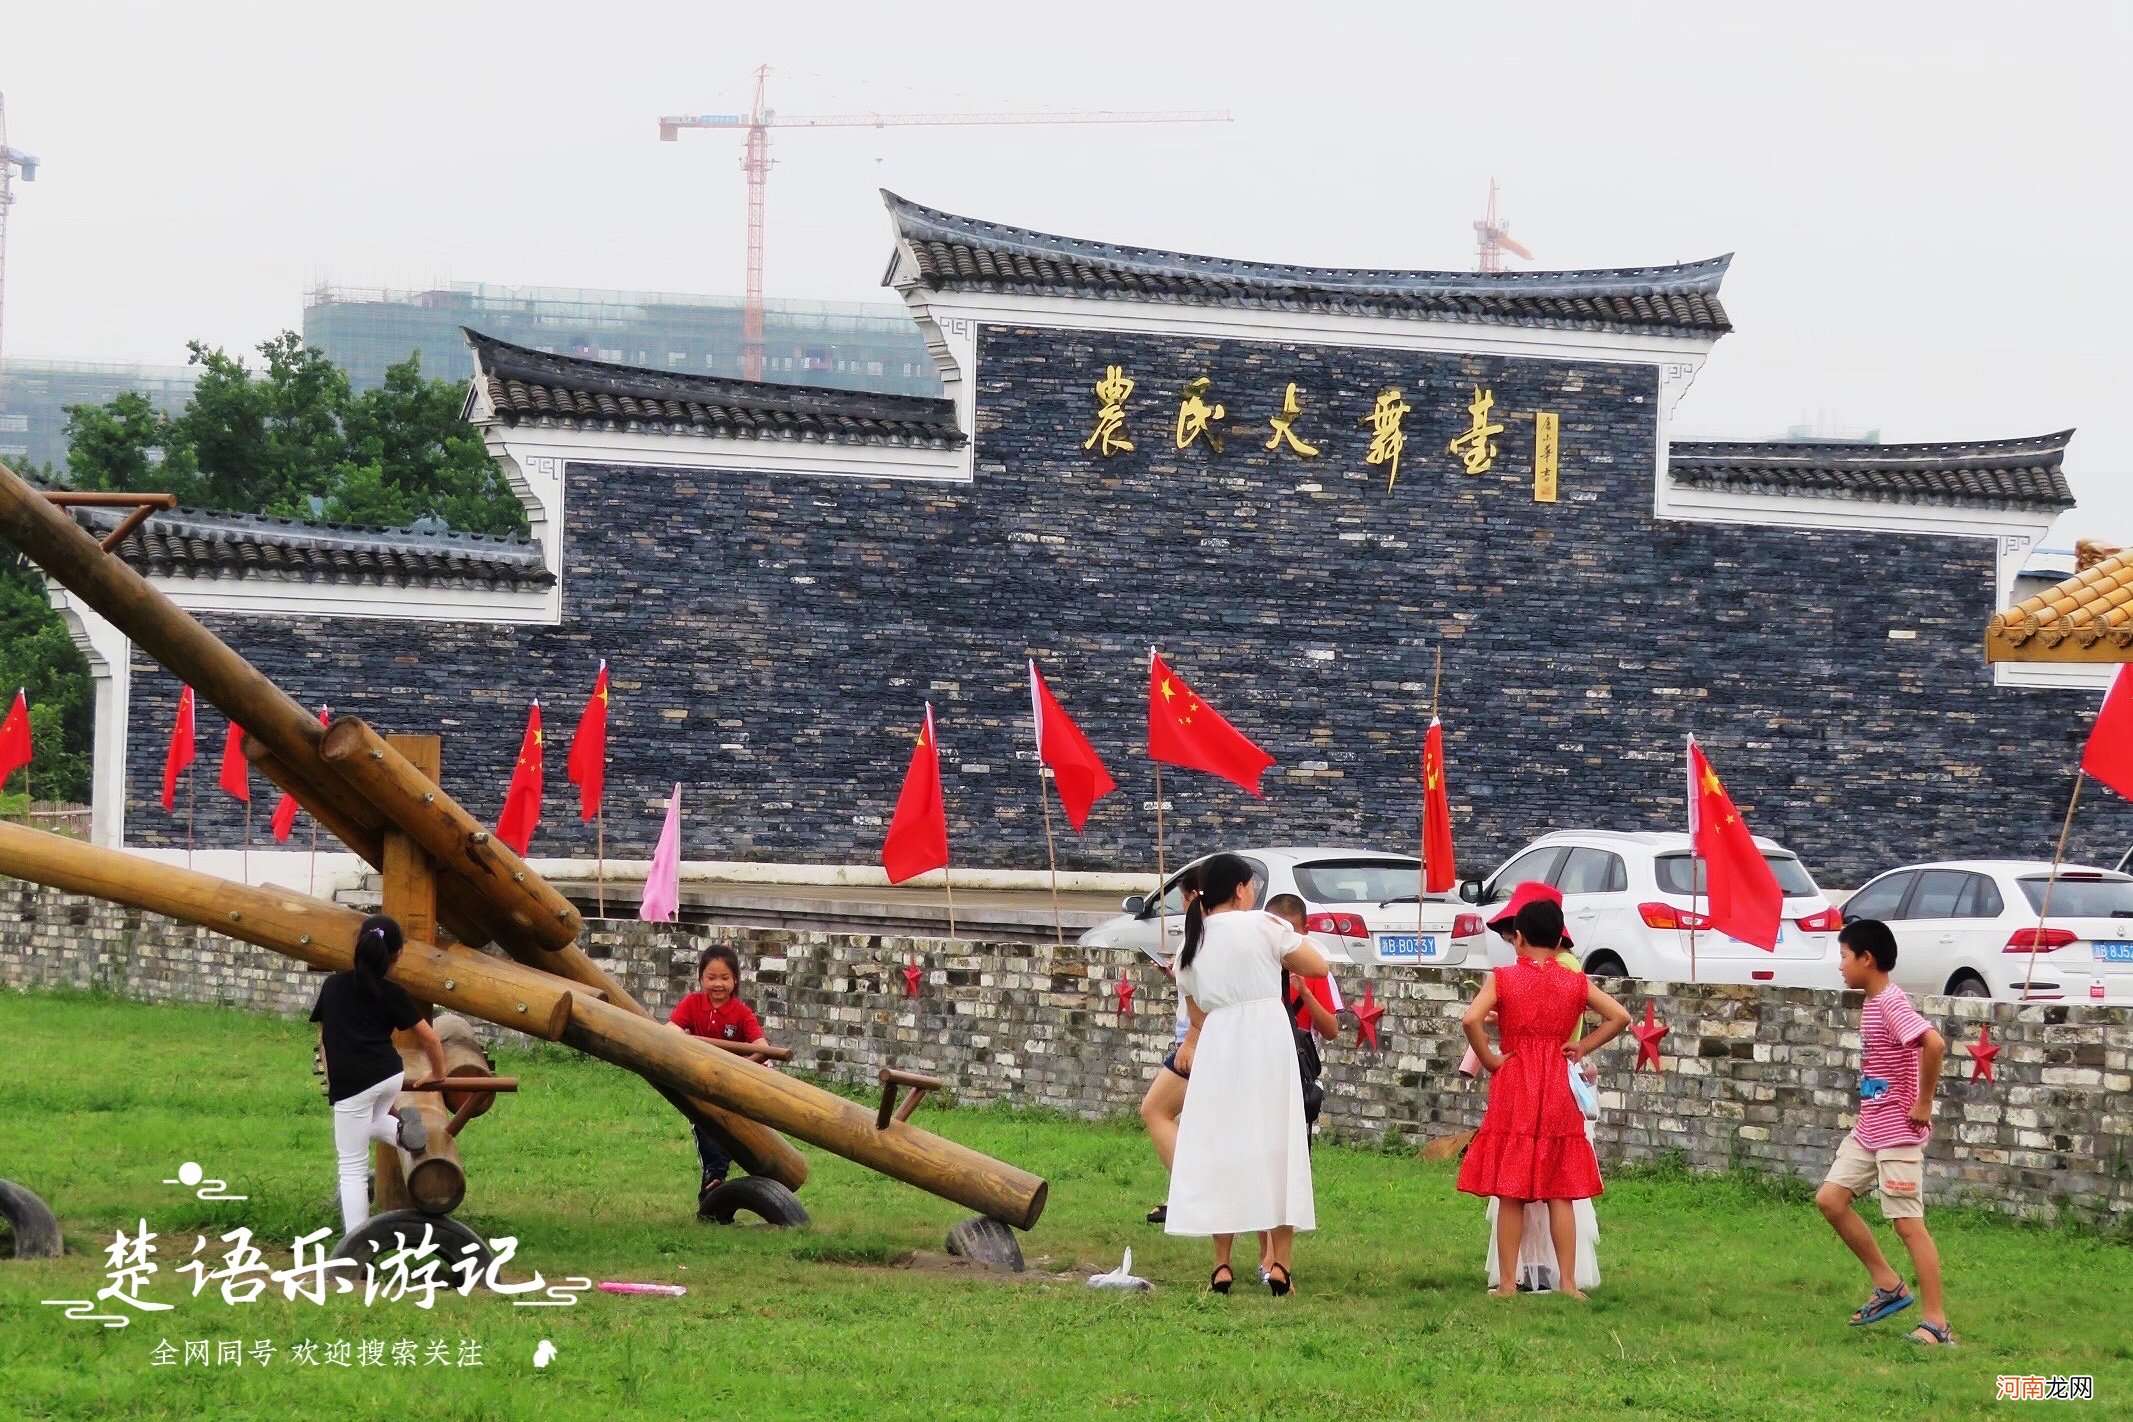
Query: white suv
pixel 1632 904
pixel 1970 928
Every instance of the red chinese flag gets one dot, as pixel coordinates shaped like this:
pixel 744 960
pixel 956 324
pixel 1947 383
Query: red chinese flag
pixel 1438 871
pixel 1183 730
pixel 918 831
pixel 180 754
pixel 2109 753
pixel 587 765
pixel 286 807
pixel 1078 774
pixel 15 737
pixel 1746 902
pixel 522 802
pixel 236 773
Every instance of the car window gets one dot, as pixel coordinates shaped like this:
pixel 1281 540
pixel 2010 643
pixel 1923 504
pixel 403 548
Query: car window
pixel 1357 881
pixel 2087 897
pixel 1981 899
pixel 1173 900
pixel 1937 893
pixel 1533 864
pixel 1882 899
pixel 1592 871
pixel 1684 874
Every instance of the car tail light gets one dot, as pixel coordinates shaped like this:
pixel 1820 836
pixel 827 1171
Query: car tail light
pixel 1468 925
pixel 1667 916
pixel 1340 925
pixel 1827 921
pixel 2039 940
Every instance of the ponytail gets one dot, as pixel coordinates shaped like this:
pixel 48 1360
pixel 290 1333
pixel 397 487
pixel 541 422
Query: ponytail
pixel 1218 879
pixel 1195 929
pixel 377 944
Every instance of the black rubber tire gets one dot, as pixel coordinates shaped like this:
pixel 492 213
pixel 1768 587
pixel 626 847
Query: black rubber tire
pixel 1605 965
pixel 1969 985
pixel 376 1236
pixel 760 1196
pixel 36 1232
pixel 986 1241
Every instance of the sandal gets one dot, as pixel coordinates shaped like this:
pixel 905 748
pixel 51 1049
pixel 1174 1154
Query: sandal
pixel 1881 1303
pixel 1159 1214
pixel 1280 1287
pixel 1219 1284
pixel 1938 1335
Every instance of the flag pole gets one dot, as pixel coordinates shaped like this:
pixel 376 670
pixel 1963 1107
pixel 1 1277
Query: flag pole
pixel 312 881
pixel 2058 857
pixel 29 797
pixel 1162 913
pixel 1436 689
pixel 245 873
pixel 1044 797
pixel 1695 865
pixel 600 851
pixel 191 806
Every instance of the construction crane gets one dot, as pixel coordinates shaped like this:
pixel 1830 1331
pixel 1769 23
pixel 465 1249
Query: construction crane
pixel 1493 238
pixel 10 160
pixel 755 161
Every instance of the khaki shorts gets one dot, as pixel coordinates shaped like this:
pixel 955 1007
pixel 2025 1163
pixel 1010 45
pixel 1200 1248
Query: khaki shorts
pixel 1897 1174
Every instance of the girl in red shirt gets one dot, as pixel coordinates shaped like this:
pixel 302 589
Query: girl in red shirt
pixel 713 1011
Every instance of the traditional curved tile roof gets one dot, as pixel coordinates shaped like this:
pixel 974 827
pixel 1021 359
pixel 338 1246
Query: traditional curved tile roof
pixel 186 543
pixel 964 254
pixel 2087 618
pixel 529 387
pixel 1990 474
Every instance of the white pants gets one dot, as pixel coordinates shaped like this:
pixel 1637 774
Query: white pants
pixel 357 1121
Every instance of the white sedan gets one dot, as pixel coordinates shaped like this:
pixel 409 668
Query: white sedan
pixel 1359 907
pixel 1973 928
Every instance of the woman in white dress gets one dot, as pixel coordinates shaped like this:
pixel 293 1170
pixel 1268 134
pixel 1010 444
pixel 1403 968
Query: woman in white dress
pixel 1243 1160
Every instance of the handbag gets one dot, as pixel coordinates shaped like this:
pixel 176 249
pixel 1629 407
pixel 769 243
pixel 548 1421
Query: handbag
pixel 1309 1066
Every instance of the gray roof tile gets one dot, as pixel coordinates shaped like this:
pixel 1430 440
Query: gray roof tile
pixel 964 254
pixel 185 543
pixel 1995 474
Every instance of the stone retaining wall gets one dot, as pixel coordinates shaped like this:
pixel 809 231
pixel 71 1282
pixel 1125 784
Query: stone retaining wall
pixel 1755 1077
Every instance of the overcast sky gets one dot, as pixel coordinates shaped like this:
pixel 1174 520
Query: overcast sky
pixel 1929 203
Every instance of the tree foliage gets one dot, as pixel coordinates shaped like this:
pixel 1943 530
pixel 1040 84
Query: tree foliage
pixel 38 655
pixel 293 439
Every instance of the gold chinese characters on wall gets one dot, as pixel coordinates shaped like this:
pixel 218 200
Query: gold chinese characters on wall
pixel 1199 413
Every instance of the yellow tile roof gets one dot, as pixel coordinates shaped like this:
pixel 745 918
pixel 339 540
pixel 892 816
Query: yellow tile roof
pixel 2087 618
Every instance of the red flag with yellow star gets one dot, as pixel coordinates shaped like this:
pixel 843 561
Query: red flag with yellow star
pixel 286 807
pixel 522 802
pixel 1184 730
pixel 918 832
pixel 1746 902
pixel 1438 871
pixel 587 766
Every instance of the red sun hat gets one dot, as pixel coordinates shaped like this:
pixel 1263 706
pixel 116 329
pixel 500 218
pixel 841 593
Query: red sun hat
pixel 1533 891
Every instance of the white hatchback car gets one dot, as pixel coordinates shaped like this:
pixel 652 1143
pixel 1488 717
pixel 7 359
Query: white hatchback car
pixel 1631 903
pixel 1970 928
pixel 1359 907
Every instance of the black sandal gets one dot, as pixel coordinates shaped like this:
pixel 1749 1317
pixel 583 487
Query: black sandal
pixel 1159 1214
pixel 1280 1287
pixel 1218 1284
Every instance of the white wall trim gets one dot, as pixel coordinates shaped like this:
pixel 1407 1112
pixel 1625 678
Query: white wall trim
pixel 111 675
pixel 2089 678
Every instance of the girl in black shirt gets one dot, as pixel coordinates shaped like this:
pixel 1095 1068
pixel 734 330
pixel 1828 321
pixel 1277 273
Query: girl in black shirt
pixel 357 1013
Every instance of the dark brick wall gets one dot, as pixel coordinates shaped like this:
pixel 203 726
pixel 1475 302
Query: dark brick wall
pixel 772 638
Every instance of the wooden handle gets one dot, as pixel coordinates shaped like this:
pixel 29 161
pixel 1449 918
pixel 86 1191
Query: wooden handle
pixel 456 1084
pixel 761 1051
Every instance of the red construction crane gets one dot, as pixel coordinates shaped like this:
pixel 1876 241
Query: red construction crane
pixel 1493 238
pixel 10 160
pixel 755 161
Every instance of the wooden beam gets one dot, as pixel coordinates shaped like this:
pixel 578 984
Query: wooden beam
pixel 410 888
pixel 407 793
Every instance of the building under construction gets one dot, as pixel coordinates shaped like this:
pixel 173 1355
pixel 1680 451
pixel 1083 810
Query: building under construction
pixel 847 346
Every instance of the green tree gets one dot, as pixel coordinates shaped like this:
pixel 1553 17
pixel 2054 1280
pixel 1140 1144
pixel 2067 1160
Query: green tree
pixel 37 655
pixel 293 439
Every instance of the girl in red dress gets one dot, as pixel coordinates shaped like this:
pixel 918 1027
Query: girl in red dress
pixel 1531 1145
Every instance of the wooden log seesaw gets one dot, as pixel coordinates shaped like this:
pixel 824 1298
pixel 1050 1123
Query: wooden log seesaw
pixel 446 878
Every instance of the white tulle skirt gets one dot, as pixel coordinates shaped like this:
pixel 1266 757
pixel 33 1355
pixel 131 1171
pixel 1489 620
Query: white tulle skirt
pixel 1536 1248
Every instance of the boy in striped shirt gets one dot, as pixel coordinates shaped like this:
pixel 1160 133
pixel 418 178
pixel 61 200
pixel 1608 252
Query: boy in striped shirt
pixel 1899 1065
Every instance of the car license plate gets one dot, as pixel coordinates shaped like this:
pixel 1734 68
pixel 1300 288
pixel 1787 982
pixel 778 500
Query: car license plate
pixel 1395 947
pixel 2114 952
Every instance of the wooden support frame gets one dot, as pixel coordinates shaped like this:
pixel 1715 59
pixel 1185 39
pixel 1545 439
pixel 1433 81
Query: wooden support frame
pixel 890 1080
pixel 142 505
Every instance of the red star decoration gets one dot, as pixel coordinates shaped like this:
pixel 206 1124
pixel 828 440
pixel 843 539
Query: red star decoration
pixel 1366 1017
pixel 912 974
pixel 1125 997
pixel 1648 1033
pixel 1982 1051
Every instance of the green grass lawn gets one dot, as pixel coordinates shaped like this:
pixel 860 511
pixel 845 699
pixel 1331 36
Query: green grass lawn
pixel 1723 1298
